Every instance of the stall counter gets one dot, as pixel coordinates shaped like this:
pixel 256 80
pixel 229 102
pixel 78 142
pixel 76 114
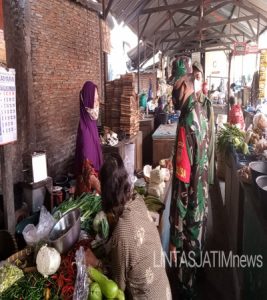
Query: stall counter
pixel 163 142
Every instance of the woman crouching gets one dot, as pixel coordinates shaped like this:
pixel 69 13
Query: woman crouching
pixel 135 247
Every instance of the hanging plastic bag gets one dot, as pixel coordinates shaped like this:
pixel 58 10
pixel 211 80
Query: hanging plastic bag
pixel 32 235
pixel 81 290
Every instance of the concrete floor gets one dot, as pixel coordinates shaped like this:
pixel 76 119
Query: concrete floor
pixel 216 284
pixel 212 283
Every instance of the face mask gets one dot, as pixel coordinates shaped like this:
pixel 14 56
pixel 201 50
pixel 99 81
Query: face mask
pixel 197 85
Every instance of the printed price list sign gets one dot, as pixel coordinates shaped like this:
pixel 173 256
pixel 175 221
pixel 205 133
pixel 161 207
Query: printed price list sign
pixel 8 116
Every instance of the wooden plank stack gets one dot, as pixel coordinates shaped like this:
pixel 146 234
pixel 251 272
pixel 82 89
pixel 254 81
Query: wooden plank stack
pixel 108 103
pixel 115 108
pixel 122 105
pixel 129 120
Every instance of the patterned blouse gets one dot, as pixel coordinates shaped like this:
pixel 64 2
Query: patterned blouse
pixel 137 258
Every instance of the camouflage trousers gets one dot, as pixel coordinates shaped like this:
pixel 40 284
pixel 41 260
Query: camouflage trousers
pixel 188 235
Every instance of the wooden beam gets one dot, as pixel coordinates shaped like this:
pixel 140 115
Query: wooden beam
pixel 95 6
pixel 252 9
pixel 231 15
pixel 183 22
pixel 242 32
pixel 199 50
pixel 206 45
pixel 163 37
pixel 144 27
pixel 134 14
pixel 205 37
pixel 188 12
pixel 6 158
pixel 209 11
pixel 185 4
pixel 229 38
pixel 106 11
pixel 251 29
pixel 205 25
pixel 171 7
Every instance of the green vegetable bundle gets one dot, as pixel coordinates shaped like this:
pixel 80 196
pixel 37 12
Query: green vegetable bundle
pixel 153 203
pixel 9 274
pixel 89 205
pixel 32 286
pixel 230 135
pixel 100 225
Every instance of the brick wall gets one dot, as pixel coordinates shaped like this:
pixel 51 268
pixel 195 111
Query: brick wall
pixel 144 82
pixel 64 52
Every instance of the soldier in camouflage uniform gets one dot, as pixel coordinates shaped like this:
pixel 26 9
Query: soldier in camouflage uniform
pixel 189 197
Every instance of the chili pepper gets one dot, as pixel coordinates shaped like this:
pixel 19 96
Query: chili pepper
pixel 47 293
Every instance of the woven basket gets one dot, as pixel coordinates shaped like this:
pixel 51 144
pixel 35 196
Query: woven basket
pixel 23 259
pixel 8 244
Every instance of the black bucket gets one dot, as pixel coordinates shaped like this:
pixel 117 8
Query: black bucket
pixel 163 118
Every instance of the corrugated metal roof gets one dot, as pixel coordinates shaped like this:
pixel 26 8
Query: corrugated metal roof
pixel 180 28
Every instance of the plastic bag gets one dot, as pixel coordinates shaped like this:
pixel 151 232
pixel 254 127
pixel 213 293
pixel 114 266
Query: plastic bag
pixel 81 290
pixel 32 235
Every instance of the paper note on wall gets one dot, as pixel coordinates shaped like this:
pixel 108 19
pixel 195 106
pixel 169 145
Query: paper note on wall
pixel 8 115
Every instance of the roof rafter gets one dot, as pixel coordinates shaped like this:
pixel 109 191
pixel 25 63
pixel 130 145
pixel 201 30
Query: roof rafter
pixel 212 9
pixel 134 14
pixel 247 6
pixel 205 25
pixel 190 3
pixel 200 50
pixel 204 46
pixel 205 37
pixel 106 11
pixel 251 28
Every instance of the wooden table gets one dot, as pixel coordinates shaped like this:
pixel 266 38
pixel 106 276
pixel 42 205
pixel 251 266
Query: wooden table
pixel 163 142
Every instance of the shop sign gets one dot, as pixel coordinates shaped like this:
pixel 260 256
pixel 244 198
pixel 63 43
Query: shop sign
pixel 252 49
pixel 263 74
pixel 8 115
pixel 240 48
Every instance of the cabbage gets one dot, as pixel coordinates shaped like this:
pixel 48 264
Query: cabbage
pixel 48 260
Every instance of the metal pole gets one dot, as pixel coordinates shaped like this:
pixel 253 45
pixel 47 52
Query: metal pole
pixel 138 49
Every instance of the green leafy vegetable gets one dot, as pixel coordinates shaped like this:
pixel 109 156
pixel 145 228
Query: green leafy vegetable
pixel 89 205
pixel 230 135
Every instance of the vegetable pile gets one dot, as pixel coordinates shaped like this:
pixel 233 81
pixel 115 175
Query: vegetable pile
pixel 89 205
pixel 100 225
pixel 32 286
pixel 153 203
pixel 102 285
pixel 9 274
pixel 231 135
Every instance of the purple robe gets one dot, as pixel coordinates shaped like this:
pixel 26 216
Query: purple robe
pixel 88 142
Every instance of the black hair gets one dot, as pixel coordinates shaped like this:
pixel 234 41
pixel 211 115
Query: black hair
pixel 232 100
pixel 175 98
pixel 115 187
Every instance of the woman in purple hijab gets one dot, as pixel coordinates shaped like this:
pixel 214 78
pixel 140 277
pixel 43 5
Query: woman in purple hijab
pixel 88 142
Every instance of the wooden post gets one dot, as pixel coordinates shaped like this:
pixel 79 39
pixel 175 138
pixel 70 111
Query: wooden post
pixel 229 77
pixel 138 50
pixel 7 184
pixel 154 54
